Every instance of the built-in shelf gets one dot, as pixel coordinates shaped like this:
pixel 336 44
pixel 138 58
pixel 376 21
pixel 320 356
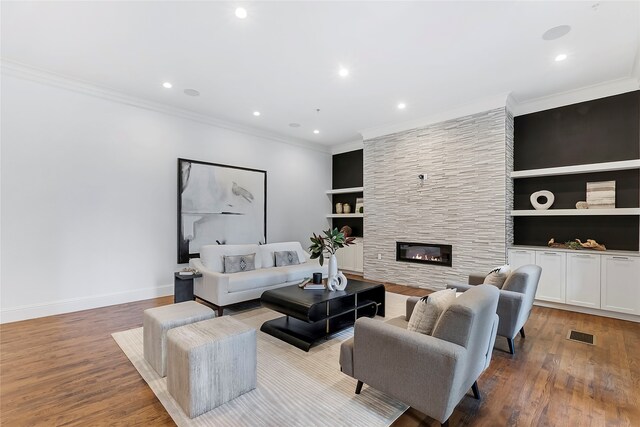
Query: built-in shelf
pixel 576 212
pixel 571 170
pixel 346 190
pixel 349 215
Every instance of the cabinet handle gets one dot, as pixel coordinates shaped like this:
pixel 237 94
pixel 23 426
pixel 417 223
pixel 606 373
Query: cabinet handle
pixel 551 253
pixel 620 257
pixel 584 256
pixel 520 252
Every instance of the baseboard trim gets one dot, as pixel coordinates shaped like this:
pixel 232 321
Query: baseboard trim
pixel 587 310
pixel 33 311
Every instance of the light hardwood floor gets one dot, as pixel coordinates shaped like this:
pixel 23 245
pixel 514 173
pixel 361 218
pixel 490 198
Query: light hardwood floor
pixel 67 370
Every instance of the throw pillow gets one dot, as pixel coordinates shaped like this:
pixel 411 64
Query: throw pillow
pixel 429 309
pixel 283 258
pixel 498 276
pixel 238 263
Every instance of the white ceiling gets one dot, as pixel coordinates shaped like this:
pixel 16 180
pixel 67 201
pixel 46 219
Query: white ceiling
pixel 284 58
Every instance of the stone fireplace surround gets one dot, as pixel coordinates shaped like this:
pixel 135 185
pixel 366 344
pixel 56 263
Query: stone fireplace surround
pixel 463 202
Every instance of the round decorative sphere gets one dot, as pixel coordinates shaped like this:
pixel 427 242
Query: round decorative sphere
pixel 346 230
pixel 535 199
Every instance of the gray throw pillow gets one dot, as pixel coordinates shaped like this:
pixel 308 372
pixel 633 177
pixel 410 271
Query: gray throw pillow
pixel 429 309
pixel 498 276
pixel 283 258
pixel 238 263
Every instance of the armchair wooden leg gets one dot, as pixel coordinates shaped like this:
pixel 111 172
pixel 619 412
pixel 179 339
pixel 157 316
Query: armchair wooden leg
pixel 476 391
pixel 220 311
pixel 522 332
pixel 511 348
pixel 445 424
pixel 359 387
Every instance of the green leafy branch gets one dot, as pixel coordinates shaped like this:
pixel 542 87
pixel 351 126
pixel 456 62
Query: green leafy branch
pixel 329 243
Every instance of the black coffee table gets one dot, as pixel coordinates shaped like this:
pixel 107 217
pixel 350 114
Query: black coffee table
pixel 314 314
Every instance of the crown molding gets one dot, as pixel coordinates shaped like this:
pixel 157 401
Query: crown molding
pixel 476 106
pixel 587 93
pixel 357 144
pixel 27 72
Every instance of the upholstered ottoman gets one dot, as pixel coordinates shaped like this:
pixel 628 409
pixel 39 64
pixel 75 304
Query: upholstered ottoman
pixel 157 321
pixel 210 363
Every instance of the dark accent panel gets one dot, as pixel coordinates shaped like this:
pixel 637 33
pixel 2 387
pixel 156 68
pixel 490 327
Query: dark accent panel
pixel 354 223
pixel 347 170
pixel 601 130
pixel 615 232
pixel 569 189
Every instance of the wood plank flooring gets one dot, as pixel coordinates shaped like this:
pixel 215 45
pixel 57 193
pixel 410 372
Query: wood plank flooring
pixel 67 370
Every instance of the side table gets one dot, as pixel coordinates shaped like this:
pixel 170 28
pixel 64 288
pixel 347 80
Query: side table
pixel 183 287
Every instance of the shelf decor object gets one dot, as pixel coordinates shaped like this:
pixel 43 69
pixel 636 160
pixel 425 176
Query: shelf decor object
pixel 601 195
pixel 535 197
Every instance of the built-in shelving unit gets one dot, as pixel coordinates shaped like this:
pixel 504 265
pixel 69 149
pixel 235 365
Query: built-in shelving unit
pixel 562 150
pixel 571 170
pixel 343 215
pixel 346 190
pixel 577 212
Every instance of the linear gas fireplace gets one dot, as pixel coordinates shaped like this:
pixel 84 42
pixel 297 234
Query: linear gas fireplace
pixel 428 253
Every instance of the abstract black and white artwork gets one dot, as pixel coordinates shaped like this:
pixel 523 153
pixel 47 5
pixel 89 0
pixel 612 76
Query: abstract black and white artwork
pixel 219 204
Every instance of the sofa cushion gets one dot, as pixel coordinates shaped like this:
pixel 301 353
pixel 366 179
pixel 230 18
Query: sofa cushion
pixel 212 256
pixel 267 252
pixel 283 258
pixel 298 272
pixel 239 263
pixel 429 309
pixel 255 279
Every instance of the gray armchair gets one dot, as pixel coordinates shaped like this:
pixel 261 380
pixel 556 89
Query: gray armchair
pixel 431 373
pixel 516 299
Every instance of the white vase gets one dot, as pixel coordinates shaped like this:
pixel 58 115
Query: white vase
pixel 333 272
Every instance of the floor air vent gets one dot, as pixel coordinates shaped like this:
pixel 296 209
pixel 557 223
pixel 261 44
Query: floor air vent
pixel 582 337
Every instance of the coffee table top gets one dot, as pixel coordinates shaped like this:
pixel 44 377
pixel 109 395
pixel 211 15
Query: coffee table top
pixel 308 297
pixel 309 304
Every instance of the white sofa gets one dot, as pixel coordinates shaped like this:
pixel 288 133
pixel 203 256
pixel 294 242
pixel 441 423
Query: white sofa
pixel 220 289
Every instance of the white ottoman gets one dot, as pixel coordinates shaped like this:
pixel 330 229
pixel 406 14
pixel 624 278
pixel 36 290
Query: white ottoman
pixel 157 321
pixel 210 363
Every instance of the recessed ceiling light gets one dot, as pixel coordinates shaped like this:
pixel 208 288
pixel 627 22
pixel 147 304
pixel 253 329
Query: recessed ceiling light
pixel 191 92
pixel 294 125
pixel 256 113
pixel 343 72
pixel 556 32
pixel 561 57
pixel 167 85
pixel 402 106
pixel 316 131
pixel 241 12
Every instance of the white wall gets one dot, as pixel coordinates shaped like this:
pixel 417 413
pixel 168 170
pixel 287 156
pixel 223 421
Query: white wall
pixel 89 196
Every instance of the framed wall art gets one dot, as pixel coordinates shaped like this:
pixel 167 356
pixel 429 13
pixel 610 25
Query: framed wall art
pixel 219 204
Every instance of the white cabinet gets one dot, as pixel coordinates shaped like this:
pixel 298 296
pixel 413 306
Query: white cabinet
pixel 358 264
pixel 351 258
pixel 583 280
pixel 620 284
pixel 520 257
pixel 552 281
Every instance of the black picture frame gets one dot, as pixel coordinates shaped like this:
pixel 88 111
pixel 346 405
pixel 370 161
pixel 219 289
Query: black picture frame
pixel 187 197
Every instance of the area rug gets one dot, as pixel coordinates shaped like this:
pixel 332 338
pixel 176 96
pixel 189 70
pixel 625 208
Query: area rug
pixel 295 388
